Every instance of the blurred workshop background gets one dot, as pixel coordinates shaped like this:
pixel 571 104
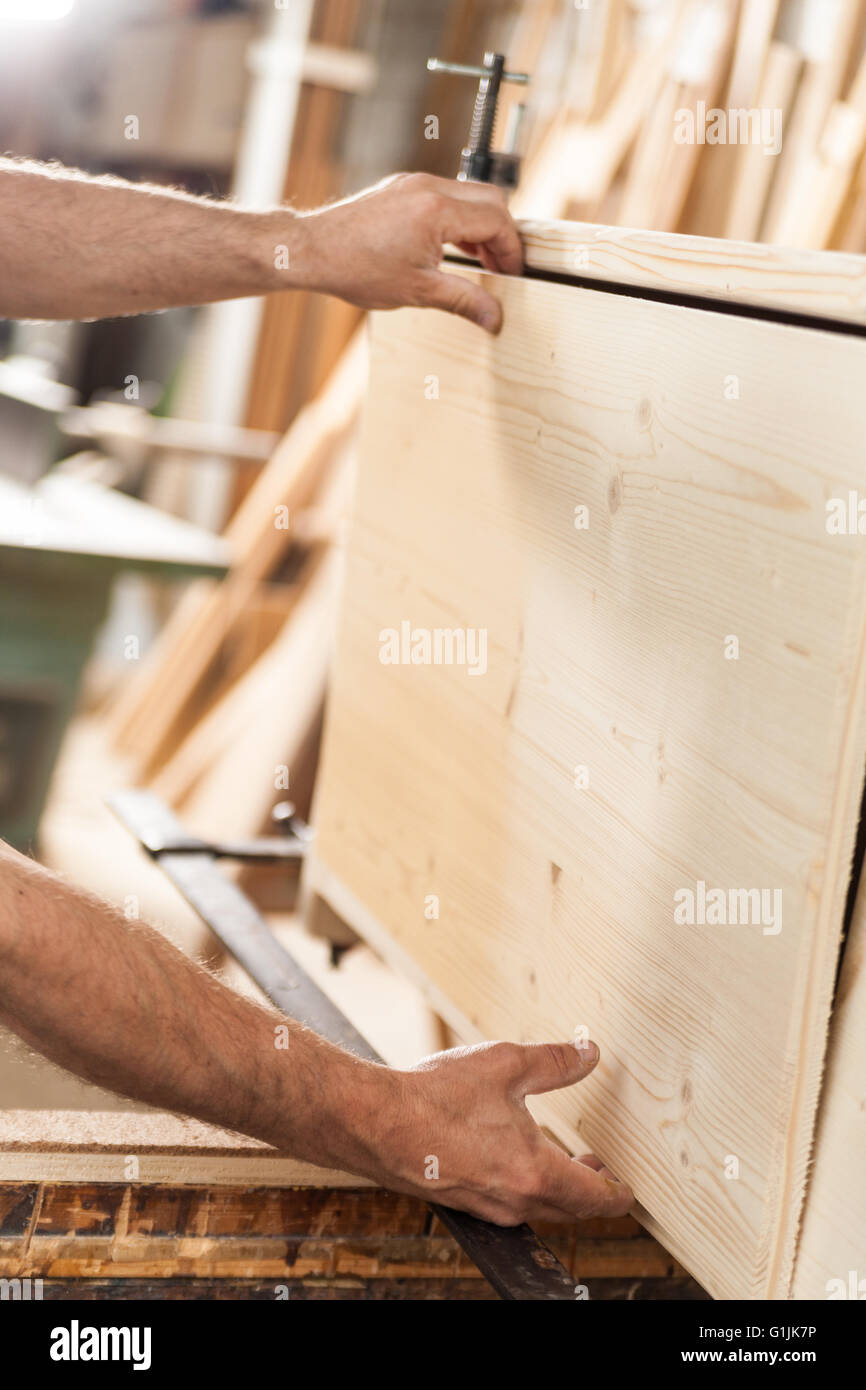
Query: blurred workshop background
pixel 173 487
pixel 163 443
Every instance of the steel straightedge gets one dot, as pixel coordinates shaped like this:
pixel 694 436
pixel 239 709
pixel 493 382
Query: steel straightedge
pixel 517 1264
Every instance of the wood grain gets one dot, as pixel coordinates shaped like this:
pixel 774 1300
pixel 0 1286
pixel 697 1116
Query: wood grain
pixel 606 652
pixel 832 1245
pixel 129 1233
pixel 95 1146
pixel 794 280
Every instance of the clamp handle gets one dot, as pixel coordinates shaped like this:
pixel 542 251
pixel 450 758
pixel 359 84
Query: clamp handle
pixel 473 70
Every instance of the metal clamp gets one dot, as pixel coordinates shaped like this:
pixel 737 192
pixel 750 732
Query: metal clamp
pixel 477 160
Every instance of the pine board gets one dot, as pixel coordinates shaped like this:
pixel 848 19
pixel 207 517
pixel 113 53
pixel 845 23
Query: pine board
pixel 100 1146
pixel 787 279
pixel 606 650
pixel 831 1258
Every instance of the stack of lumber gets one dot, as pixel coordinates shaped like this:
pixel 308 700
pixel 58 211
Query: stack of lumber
pixel 230 693
pixel 736 118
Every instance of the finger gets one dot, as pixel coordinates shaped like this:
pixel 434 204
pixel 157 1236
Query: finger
pixel 474 188
pixel 488 225
pixel 580 1191
pixel 590 1161
pixel 503 1213
pixel 480 253
pixel 460 296
pixel 550 1066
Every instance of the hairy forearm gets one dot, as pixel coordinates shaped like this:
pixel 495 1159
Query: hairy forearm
pixel 72 247
pixel 117 1004
pixel 114 1002
pixel 75 247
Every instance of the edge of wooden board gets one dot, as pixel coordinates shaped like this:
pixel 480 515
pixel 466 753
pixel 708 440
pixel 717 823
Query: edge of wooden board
pixel 321 882
pixel 786 279
pixel 95 1146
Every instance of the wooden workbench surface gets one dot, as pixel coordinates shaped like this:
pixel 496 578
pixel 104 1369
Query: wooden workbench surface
pixel 120 1240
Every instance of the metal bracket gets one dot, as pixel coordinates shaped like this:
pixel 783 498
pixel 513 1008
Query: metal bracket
pixel 513 1259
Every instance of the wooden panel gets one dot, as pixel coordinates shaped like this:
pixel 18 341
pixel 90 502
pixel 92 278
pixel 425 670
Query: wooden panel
pixel 108 1146
pixel 831 1259
pixel 610 756
pixel 823 284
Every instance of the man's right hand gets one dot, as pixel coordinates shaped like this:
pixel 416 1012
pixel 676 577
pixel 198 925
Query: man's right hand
pixel 463 1136
pixel 383 247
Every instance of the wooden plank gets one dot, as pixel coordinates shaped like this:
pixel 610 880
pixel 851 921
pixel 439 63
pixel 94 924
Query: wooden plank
pixel 136 1231
pixel 611 22
pixel 832 175
pixel 852 222
pixel 226 773
pixel 147 715
pixel 607 756
pixel 315 1290
pixel 755 168
pixel 787 279
pixel 662 170
pixel 832 1244
pixel 827 41
pixel 577 160
pixel 729 173
pixel 97 1146
pixel 754 31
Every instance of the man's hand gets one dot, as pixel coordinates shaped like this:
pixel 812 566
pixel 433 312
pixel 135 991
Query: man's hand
pixel 383 248
pixel 463 1136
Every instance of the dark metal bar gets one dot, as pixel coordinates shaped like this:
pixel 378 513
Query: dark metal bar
pixel 513 1259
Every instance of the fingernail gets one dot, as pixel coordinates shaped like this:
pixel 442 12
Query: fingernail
pixel 613 1182
pixel 588 1050
pixel 489 322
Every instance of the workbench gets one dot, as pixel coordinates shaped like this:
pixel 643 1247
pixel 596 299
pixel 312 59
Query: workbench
pixel 63 542
pixel 211 1215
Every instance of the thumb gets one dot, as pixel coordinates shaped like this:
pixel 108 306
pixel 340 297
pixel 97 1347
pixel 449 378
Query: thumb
pixel 550 1066
pixel 459 296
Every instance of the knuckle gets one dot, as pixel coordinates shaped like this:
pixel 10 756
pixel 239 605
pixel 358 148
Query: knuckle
pixel 428 204
pixel 559 1056
pixel 423 190
pixel 508 1056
